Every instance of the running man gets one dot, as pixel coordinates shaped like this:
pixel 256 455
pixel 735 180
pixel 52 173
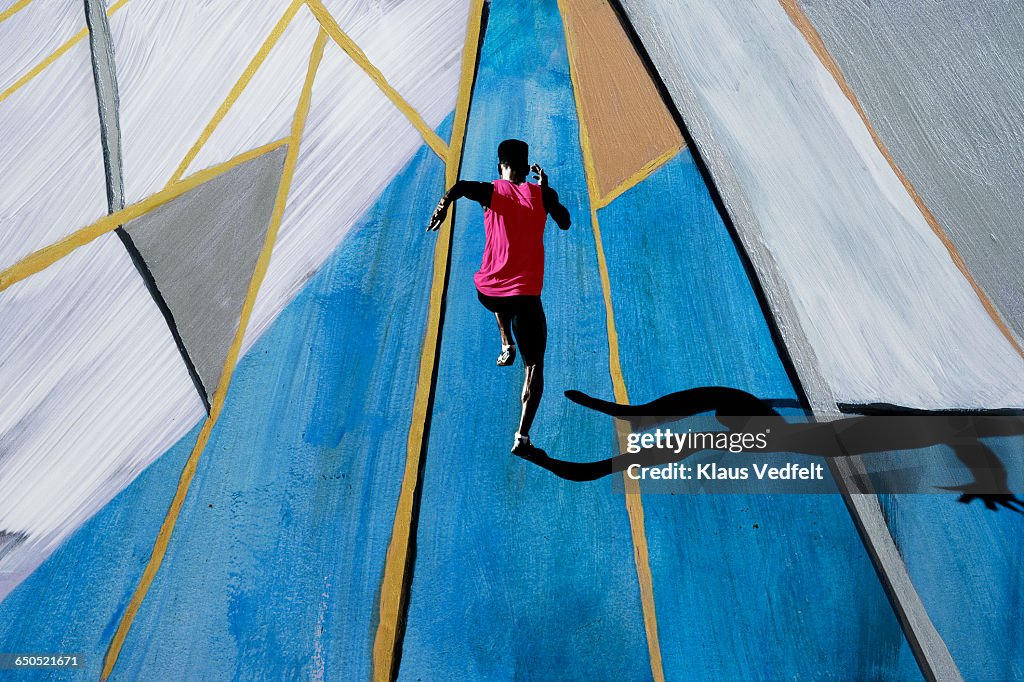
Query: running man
pixel 512 273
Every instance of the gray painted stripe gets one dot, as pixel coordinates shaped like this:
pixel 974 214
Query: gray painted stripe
pixel 104 75
pixel 930 651
pixel 104 72
pixel 202 249
pixel 942 85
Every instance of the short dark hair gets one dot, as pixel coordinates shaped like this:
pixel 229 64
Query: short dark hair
pixel 515 154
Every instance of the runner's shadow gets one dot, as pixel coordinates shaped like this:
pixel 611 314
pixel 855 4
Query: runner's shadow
pixel 850 436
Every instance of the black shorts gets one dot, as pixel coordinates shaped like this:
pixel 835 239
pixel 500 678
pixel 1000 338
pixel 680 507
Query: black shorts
pixel 529 326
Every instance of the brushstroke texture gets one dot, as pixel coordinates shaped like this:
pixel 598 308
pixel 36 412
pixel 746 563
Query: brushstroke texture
pixel 929 649
pixel 30 35
pixel 264 110
pixel 425 68
pixel 95 391
pixel 52 168
pixel 728 568
pixel 176 63
pixel 942 88
pixel 517 574
pixel 873 291
pixel 354 143
pixel 202 248
pixel 274 564
pixel 628 124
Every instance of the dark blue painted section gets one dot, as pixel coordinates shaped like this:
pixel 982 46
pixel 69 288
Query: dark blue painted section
pixel 747 587
pixel 275 564
pixel 518 574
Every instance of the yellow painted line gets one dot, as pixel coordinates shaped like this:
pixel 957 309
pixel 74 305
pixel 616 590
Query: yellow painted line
pixel 13 9
pixel 810 34
pixel 393 591
pixel 55 55
pixel 236 91
pixel 634 500
pixel 359 57
pixel 48 255
pixel 641 175
pixel 167 528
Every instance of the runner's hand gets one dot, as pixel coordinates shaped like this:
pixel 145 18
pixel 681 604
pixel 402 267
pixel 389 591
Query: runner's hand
pixel 439 215
pixel 539 173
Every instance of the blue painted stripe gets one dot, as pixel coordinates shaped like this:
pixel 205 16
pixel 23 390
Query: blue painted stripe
pixel 751 587
pixel 519 575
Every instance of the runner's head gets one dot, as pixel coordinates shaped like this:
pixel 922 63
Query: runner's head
pixel 514 155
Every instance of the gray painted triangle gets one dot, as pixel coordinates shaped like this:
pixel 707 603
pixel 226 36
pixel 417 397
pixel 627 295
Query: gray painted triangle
pixel 201 249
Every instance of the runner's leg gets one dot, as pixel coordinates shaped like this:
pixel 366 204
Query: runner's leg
pixel 505 328
pixel 531 331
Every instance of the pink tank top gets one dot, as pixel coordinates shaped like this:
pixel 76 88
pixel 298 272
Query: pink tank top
pixel 513 263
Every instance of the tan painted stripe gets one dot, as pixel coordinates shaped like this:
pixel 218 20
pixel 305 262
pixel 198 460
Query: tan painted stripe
pixel 48 255
pixel 394 585
pixel 641 175
pixel 359 57
pixel 803 24
pixel 629 124
pixel 13 9
pixel 55 55
pixel 238 88
pixel 167 528
pixel 634 500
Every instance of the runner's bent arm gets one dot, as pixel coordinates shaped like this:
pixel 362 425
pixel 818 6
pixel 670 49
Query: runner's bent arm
pixel 480 192
pixel 559 213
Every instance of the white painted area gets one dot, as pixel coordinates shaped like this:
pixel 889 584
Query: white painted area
pixel 176 63
pixel 175 67
pixel 33 33
pixel 51 169
pixel 355 142
pixel 416 44
pixel 266 108
pixel 887 314
pixel 94 388
pixel 94 391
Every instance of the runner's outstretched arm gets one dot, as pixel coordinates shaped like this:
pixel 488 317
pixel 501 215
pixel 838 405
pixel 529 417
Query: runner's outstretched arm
pixel 559 213
pixel 480 192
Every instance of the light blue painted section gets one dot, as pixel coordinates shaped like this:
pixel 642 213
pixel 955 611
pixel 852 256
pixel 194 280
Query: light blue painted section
pixel 274 567
pixel 750 587
pixel 520 575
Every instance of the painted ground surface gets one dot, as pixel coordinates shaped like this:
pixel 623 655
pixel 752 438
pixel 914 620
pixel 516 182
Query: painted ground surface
pixel 274 569
pixel 762 577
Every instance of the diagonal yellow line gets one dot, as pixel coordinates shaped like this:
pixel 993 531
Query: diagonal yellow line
pixel 48 255
pixel 13 9
pixel 641 175
pixel 167 528
pixel 238 88
pixel 817 45
pixel 359 57
pixel 55 55
pixel 634 501
pixel 394 585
